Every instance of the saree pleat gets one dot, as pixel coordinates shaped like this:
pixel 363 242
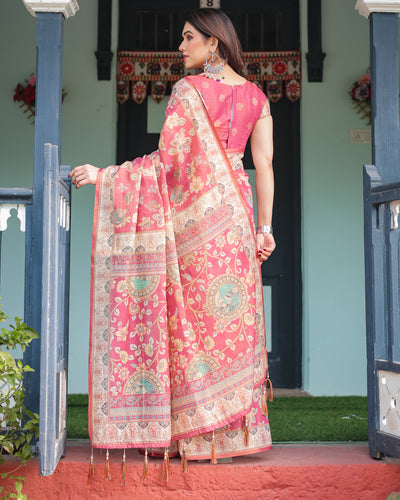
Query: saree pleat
pixel 177 343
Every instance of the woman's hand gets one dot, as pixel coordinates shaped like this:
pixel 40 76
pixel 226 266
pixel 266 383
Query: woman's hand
pixel 84 174
pixel 265 245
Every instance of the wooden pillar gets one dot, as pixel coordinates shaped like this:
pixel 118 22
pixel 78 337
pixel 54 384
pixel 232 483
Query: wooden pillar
pixel 384 28
pixel 103 53
pixel 49 47
pixel 315 57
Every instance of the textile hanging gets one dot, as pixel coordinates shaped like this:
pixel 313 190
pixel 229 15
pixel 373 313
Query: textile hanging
pixel 268 69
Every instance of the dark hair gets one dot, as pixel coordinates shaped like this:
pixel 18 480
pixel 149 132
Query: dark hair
pixel 214 22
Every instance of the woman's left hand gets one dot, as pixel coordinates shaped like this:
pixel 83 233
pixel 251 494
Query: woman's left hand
pixel 265 245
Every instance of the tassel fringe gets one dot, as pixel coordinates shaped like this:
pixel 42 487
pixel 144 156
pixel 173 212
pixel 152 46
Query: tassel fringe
pixel 246 431
pixel 184 460
pixel 213 455
pixel 265 397
pixel 145 466
pixel 90 478
pixel 123 470
pixel 107 474
pixel 165 471
pixel 264 406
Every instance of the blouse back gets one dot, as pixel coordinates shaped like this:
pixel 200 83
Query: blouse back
pixel 234 109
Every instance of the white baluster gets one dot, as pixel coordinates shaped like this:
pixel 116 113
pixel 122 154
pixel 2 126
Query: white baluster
pixel 68 216
pixel 394 210
pixel 5 214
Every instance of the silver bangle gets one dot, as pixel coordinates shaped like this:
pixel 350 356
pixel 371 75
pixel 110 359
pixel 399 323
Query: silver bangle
pixel 264 230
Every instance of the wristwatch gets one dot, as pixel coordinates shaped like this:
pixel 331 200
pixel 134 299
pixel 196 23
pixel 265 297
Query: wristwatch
pixel 264 230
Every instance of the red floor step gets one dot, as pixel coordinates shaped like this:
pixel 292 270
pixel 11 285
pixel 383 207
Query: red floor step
pixel 285 472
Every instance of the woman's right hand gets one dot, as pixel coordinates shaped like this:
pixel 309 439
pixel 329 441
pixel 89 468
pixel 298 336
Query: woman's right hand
pixel 84 174
pixel 265 245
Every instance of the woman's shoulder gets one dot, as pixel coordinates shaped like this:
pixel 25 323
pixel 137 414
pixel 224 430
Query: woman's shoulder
pixel 255 89
pixel 183 88
pixel 183 82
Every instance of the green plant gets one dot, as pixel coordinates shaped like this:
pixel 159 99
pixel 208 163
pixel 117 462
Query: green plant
pixel 18 424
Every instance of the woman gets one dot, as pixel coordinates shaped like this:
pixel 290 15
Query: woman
pixel 177 349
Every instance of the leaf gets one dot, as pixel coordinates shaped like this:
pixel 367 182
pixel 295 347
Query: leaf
pixel 8 446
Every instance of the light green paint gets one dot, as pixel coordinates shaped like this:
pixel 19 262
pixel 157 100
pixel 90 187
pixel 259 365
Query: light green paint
pixel 156 115
pixel 334 352
pixel 89 115
pixel 332 226
pixel 17 60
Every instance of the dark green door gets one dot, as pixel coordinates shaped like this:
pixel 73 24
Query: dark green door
pixel 263 25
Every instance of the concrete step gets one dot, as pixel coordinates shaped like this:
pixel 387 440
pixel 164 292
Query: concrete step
pixel 301 471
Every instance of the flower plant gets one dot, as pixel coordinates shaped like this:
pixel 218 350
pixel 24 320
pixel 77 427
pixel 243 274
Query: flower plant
pixel 25 94
pixel 18 424
pixel 360 94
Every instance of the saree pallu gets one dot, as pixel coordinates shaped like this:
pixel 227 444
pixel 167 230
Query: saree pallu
pixel 177 341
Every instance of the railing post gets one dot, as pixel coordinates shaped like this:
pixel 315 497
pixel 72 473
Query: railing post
pixel 384 29
pixel 49 48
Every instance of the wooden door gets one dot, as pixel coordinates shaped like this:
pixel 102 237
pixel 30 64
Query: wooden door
pixel 55 311
pixel 263 25
pixel 273 26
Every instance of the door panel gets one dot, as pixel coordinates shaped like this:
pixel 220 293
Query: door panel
pixel 55 307
pixel 262 25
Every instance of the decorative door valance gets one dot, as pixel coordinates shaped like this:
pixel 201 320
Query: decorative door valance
pixel 135 70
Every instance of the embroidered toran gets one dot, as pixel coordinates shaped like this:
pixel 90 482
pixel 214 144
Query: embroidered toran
pixel 269 70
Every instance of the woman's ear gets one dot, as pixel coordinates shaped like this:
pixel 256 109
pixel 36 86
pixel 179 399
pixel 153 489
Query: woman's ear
pixel 214 44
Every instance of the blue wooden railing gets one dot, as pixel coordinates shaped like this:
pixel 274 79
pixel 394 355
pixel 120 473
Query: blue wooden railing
pixel 46 387
pixel 21 200
pixel 382 255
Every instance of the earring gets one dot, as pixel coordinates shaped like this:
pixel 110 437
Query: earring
pixel 214 71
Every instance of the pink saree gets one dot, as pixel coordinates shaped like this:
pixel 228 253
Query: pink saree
pixel 177 341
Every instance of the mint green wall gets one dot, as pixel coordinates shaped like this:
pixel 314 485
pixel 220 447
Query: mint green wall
pixel 332 225
pixel 17 62
pixel 89 136
pixel 334 352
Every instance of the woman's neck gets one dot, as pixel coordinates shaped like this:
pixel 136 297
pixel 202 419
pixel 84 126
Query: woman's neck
pixel 231 77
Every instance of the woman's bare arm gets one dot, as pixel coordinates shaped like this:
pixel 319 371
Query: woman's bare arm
pixel 262 151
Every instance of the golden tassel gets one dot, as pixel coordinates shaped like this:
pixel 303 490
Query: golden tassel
pixel 184 460
pixel 213 457
pixel 265 397
pixel 165 471
pixel 145 466
pixel 271 390
pixel 90 478
pixel 107 474
pixel 123 470
pixel 246 432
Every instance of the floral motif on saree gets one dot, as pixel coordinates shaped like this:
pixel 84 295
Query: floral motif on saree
pixel 177 344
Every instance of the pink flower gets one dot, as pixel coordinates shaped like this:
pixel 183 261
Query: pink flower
pixel 365 79
pixel 32 80
pixel 362 93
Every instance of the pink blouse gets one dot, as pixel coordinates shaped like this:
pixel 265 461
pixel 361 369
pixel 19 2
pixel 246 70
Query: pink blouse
pixel 234 109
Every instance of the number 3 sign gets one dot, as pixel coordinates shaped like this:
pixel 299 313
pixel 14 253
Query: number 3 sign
pixel 213 4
